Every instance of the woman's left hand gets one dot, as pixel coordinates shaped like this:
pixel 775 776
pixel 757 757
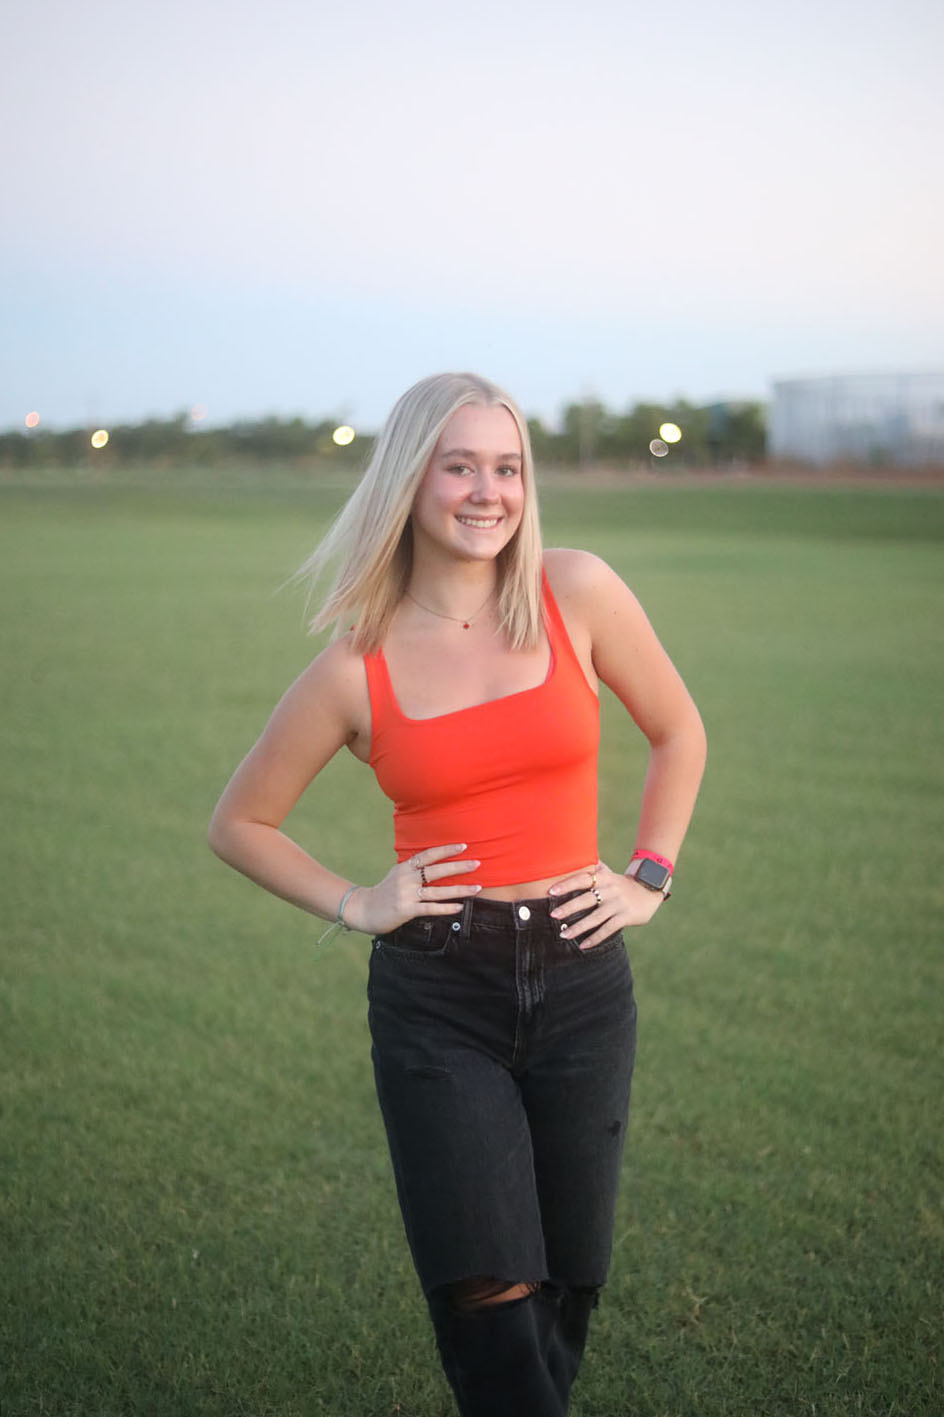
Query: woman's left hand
pixel 618 902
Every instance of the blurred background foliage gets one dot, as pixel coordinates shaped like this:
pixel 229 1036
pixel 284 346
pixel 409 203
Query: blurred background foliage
pixel 588 434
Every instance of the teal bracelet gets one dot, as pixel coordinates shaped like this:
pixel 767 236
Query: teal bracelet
pixel 338 923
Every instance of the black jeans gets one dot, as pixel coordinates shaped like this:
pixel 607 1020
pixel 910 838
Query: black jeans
pixel 503 1056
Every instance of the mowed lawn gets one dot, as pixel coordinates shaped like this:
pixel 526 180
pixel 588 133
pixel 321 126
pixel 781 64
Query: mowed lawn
pixel 197 1208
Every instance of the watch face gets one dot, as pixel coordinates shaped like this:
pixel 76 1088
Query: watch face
pixel 651 874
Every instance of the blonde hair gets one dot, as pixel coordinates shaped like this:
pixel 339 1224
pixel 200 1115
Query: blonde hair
pixel 372 535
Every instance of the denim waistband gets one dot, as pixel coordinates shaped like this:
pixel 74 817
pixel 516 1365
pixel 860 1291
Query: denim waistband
pixel 510 914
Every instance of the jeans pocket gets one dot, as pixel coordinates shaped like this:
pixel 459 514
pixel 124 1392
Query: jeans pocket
pixel 424 937
pixel 609 946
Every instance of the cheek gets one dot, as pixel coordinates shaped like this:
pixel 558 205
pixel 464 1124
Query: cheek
pixel 515 500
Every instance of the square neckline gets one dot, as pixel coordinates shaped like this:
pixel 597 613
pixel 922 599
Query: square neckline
pixel 469 708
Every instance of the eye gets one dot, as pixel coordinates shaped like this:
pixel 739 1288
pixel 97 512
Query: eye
pixel 461 469
pixel 507 471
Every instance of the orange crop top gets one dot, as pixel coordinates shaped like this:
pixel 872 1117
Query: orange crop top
pixel 514 778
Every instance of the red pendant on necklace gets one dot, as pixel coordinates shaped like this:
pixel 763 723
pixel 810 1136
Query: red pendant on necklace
pixel 466 625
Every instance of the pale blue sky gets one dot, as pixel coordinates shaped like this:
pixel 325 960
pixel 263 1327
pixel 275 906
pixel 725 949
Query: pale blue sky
pixel 296 207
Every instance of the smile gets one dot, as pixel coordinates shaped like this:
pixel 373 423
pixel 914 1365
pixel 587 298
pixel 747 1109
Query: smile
pixel 482 523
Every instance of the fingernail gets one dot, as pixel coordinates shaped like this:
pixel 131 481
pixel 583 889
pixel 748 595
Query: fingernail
pixel 555 914
pixel 476 888
pixel 554 890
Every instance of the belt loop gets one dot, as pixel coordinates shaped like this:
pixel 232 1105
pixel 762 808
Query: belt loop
pixel 465 920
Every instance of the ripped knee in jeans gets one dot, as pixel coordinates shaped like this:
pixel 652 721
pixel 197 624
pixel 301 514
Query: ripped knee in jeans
pixel 481 1291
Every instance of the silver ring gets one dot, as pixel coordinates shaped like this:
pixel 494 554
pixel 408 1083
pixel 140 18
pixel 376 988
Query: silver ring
pixel 596 895
pixel 419 892
pixel 423 876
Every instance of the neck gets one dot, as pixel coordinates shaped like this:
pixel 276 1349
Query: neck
pixel 461 598
pixel 460 591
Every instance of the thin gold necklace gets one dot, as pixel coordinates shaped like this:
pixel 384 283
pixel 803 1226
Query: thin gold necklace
pixel 456 619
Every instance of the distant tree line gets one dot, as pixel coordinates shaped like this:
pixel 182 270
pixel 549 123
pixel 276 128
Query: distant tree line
pixel 179 441
pixel 589 434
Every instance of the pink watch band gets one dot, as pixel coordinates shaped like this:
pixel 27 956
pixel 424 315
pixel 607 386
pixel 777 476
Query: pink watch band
pixel 653 856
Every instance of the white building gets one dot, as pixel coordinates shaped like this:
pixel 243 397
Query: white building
pixel 865 418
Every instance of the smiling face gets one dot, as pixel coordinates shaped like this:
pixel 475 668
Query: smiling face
pixel 470 501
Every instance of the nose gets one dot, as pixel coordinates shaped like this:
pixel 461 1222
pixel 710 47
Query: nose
pixel 486 487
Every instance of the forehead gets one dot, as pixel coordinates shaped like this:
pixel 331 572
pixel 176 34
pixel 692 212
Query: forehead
pixel 481 429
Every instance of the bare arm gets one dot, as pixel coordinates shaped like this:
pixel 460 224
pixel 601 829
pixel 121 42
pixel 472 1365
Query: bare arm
pixel 324 710
pixel 628 657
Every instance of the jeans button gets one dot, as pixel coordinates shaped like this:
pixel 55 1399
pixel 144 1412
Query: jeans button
pixel 456 925
pixel 524 912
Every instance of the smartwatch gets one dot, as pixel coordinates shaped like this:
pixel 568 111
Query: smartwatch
pixel 651 875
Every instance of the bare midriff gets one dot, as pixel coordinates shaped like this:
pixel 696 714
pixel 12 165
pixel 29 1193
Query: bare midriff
pixel 524 890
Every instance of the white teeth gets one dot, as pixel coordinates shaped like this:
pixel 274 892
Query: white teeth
pixel 478 521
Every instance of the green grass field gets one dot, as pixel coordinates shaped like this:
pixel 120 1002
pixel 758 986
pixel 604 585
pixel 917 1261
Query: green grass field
pixel 197 1209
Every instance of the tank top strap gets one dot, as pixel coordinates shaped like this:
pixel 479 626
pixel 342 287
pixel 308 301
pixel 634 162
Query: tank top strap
pixel 557 631
pixel 379 687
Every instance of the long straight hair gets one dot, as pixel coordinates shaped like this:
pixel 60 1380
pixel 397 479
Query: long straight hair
pixel 372 538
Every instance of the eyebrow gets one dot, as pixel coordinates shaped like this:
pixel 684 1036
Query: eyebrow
pixel 470 453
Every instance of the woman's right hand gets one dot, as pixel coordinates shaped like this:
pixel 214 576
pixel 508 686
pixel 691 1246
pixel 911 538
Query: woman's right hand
pixel 402 895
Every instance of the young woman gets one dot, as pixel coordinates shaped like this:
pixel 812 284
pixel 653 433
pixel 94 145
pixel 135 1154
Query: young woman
pixel 500 997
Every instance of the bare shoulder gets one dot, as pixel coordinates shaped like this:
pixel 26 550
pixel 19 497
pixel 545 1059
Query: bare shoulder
pixel 584 584
pixel 330 695
pixel 335 673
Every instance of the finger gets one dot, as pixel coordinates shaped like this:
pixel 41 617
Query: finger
pixel 576 881
pixel 447 892
pixel 588 923
pixel 587 900
pixel 597 938
pixel 601 926
pixel 435 853
pixel 450 868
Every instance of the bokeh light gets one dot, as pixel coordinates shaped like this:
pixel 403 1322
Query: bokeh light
pixel 670 432
pixel 32 419
pixel 99 438
pixel 658 448
pixel 198 413
pixel 343 435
